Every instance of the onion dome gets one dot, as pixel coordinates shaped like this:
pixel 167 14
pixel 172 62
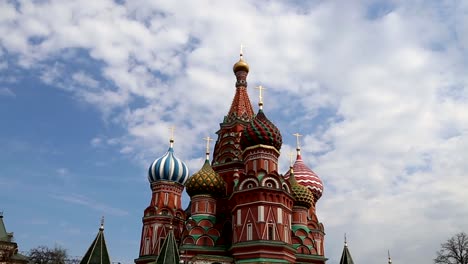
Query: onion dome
pixel 301 194
pixel 261 131
pixel 205 181
pixel 241 65
pixel 168 168
pixel 306 177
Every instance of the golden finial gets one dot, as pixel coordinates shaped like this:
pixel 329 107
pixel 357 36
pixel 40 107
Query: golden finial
pixel 345 241
pixel 171 140
pixel 389 258
pixel 102 223
pixel 260 89
pixel 241 65
pixel 208 139
pixel 298 147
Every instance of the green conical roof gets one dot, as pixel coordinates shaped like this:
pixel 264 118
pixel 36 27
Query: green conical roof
pixel 3 232
pixel 97 252
pixel 4 235
pixel 169 252
pixel 346 256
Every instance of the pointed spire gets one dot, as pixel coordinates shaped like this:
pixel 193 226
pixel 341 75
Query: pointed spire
pixel 208 139
pixel 389 258
pixel 298 146
pixel 241 108
pixel 97 252
pixel 346 255
pixel 4 235
pixel 169 253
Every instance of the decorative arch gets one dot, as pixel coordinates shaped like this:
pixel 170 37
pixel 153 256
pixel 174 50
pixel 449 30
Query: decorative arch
pixel 246 184
pixel 270 182
pixel 205 241
pixel 189 241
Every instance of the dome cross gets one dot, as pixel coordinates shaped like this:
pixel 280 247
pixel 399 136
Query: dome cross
pixel 171 140
pixel 208 139
pixel 298 146
pixel 260 89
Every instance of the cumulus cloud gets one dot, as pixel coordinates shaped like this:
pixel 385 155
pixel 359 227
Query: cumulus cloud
pixel 379 93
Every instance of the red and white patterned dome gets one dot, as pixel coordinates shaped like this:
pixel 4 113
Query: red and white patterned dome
pixel 306 177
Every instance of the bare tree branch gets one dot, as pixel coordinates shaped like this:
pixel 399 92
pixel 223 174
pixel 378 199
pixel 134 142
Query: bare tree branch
pixel 454 251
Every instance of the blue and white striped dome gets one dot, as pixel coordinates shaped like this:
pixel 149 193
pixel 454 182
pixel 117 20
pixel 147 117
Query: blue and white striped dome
pixel 168 168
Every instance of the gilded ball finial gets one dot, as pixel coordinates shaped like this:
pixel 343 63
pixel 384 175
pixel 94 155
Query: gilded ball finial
pixel 241 65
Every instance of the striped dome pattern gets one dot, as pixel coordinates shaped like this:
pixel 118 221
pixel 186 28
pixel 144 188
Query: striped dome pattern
pixel 205 181
pixel 261 131
pixel 306 177
pixel 168 168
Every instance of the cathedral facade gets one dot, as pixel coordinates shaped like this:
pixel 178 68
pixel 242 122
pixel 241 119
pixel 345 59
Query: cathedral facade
pixel 242 209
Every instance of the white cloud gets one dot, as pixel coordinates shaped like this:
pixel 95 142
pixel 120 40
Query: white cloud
pixel 4 91
pixel 392 152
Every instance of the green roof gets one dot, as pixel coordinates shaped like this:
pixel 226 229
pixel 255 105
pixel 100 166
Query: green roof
pixel 169 252
pixel 97 252
pixel 4 235
pixel 346 256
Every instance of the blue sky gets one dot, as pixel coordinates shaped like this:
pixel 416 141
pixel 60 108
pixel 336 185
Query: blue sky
pixel 377 88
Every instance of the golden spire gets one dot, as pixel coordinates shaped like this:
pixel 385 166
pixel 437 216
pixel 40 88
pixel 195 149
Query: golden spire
pixel 208 139
pixel 171 140
pixel 298 147
pixel 345 242
pixel 389 258
pixel 260 89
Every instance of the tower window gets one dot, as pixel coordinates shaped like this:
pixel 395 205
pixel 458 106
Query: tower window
pixel 166 199
pixel 286 234
pixel 265 164
pixel 249 231
pixel 271 232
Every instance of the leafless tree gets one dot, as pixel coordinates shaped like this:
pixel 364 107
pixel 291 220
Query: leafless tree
pixel 46 255
pixel 454 251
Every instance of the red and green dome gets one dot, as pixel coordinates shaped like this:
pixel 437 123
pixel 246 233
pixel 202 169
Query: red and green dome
pixel 261 131
pixel 301 194
pixel 205 181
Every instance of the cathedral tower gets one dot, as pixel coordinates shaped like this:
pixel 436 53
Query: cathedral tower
pixel 167 176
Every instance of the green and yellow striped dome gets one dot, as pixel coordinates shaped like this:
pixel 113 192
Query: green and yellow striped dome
pixel 205 181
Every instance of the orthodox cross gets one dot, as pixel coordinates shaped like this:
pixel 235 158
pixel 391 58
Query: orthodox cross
pixel 297 135
pixel 208 139
pixel 172 128
pixel 291 155
pixel 260 89
pixel 241 50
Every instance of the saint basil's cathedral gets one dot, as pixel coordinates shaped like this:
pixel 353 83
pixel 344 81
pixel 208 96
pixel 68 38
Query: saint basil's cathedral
pixel 242 209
